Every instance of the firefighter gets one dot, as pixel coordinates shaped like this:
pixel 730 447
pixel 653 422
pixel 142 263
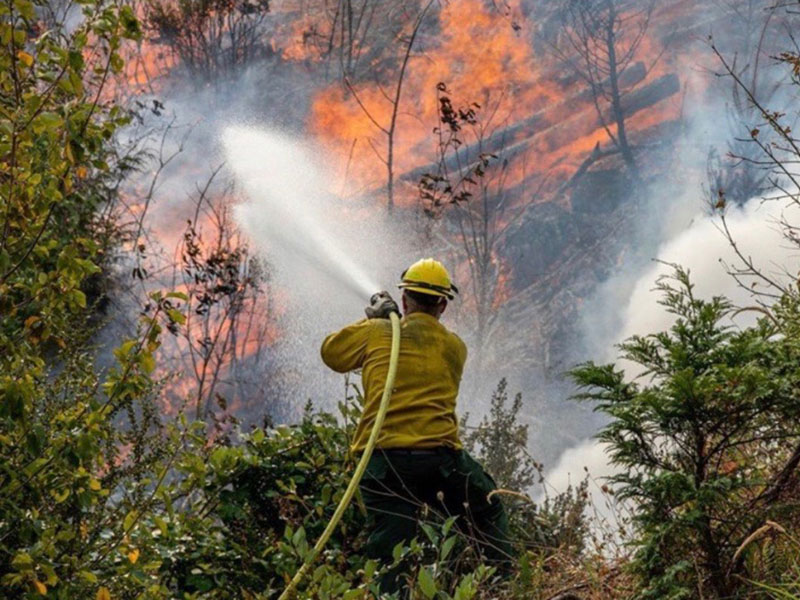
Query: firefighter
pixel 418 461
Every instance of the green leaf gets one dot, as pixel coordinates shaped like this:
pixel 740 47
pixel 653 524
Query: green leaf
pixel 426 583
pixel 78 298
pixel 130 23
pixel 370 568
pixel 60 495
pixel 22 562
pixel 26 9
pixel 88 576
pixel 298 537
pixel 76 60
pixel 325 496
pixel 125 349
pixel 147 361
pixel 129 520
pixel 161 524
pixel 447 547
pixel 47 121
pixel 116 63
pixel 176 316
pixel 430 532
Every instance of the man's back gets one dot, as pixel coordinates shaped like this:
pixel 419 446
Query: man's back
pixel 421 413
pixel 418 460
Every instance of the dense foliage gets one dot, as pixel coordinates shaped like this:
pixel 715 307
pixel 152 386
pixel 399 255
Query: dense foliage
pixel 707 444
pixel 60 487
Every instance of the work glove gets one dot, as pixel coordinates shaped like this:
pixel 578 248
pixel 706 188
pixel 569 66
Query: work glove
pixel 381 306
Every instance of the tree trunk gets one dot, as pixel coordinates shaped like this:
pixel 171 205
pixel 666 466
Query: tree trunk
pixel 616 100
pixel 708 545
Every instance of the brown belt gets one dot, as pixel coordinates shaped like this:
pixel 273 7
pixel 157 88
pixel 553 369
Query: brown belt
pixel 417 451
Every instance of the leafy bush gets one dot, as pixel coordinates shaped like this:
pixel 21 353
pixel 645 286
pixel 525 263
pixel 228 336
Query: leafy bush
pixel 500 442
pixel 708 445
pixel 81 455
pixel 250 511
pixel 58 169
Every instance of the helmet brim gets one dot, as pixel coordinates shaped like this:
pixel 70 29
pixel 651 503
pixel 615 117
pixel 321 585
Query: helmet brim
pixel 415 287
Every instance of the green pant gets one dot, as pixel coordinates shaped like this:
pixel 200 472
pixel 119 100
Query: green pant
pixel 398 483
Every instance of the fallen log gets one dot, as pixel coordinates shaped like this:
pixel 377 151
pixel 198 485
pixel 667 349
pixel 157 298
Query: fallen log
pixel 555 137
pixel 541 121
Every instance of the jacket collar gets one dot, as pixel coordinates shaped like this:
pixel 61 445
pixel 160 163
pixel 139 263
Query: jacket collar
pixel 422 316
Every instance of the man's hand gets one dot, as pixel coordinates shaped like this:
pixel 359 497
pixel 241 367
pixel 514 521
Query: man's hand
pixel 381 305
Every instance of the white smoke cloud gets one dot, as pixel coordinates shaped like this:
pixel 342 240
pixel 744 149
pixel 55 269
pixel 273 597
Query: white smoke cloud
pixel 704 250
pixel 587 457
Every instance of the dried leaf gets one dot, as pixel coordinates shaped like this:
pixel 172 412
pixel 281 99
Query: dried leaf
pixel 25 58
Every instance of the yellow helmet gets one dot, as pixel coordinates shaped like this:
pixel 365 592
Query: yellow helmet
pixel 428 276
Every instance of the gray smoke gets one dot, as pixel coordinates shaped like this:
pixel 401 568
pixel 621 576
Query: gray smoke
pixel 704 250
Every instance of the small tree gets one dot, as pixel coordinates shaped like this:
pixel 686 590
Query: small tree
pixel 770 153
pixel 501 441
pixel 709 446
pixel 229 312
pixel 741 174
pixel 393 96
pixel 469 191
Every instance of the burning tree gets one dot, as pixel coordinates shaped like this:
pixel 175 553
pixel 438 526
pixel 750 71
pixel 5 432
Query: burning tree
pixel 229 321
pixel 471 184
pixel 353 37
pixel 393 97
pixel 599 40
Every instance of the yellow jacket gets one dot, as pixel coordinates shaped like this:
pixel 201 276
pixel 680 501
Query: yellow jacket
pixel 421 411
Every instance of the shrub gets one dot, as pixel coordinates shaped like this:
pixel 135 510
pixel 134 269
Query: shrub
pixel 500 442
pixel 707 445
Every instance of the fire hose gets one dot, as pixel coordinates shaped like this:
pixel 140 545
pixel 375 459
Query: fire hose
pixel 360 468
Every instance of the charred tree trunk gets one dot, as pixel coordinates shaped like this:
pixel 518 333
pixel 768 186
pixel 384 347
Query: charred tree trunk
pixel 616 99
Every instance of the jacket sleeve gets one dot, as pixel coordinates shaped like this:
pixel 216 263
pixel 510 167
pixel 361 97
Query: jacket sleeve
pixel 345 350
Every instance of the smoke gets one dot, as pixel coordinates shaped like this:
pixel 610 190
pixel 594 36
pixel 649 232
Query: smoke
pixel 307 232
pixel 706 252
pixel 674 226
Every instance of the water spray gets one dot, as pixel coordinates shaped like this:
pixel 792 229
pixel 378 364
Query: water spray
pixel 278 170
pixel 289 215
